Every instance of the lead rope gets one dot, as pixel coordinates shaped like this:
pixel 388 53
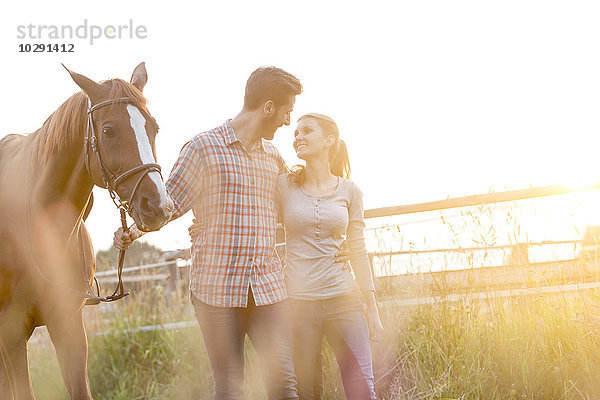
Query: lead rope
pixel 119 291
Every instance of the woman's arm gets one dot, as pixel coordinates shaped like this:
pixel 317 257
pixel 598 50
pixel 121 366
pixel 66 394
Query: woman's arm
pixel 355 239
pixel 359 261
pixel 373 319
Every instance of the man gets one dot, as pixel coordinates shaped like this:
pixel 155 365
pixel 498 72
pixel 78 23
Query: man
pixel 227 176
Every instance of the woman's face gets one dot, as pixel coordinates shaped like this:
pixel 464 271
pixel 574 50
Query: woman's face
pixel 310 141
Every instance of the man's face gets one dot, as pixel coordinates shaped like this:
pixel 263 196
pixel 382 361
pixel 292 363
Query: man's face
pixel 281 116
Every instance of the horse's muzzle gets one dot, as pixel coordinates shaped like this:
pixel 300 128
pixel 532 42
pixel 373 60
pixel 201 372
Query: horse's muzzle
pixel 151 213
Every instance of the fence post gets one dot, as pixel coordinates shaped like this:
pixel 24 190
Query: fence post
pixel 172 282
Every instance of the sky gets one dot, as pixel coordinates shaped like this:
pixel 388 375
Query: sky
pixel 434 98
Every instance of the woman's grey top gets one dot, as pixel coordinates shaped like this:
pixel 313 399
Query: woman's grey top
pixel 315 228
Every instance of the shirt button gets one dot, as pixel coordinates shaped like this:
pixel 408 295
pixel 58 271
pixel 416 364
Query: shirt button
pixel 254 207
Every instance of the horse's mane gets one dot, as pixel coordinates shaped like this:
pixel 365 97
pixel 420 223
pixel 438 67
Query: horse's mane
pixel 68 122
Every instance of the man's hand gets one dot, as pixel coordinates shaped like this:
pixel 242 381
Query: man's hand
pixel 343 256
pixel 195 229
pixel 122 240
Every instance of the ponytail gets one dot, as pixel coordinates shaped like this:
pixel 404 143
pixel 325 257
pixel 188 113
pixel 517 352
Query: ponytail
pixel 339 162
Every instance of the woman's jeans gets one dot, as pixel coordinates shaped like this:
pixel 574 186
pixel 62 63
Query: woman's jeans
pixel 342 321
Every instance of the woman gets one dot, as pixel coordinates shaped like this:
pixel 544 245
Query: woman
pixel 318 207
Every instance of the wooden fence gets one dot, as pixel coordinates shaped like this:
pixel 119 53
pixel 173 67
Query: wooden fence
pixel 172 271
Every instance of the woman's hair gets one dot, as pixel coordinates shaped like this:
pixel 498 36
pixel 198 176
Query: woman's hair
pixel 339 163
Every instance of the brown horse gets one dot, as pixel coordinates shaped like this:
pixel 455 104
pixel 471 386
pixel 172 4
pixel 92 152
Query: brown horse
pixel 102 136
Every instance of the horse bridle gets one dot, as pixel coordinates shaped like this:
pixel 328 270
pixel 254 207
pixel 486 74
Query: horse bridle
pixel 110 182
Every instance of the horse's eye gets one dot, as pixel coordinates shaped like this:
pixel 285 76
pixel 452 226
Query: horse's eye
pixel 107 130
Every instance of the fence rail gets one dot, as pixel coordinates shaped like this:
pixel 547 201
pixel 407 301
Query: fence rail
pixel 470 249
pixel 138 268
pixel 476 199
pixel 105 276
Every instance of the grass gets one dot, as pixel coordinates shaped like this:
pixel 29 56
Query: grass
pixel 524 348
pixel 544 347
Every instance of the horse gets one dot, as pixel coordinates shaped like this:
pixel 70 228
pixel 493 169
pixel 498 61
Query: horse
pixel 102 136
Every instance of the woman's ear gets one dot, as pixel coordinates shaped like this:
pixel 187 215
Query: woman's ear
pixel 330 141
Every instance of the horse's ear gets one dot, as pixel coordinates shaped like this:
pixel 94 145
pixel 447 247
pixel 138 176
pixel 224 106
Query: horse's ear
pixel 92 89
pixel 139 77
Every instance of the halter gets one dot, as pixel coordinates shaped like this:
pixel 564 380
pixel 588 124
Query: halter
pixel 111 181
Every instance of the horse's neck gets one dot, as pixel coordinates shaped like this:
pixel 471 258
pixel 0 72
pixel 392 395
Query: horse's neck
pixel 62 177
pixel 59 189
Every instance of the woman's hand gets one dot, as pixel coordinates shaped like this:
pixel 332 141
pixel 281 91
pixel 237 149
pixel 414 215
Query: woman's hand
pixel 375 325
pixel 195 229
pixel 373 320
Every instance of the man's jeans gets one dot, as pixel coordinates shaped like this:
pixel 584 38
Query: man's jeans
pixel 268 327
pixel 342 321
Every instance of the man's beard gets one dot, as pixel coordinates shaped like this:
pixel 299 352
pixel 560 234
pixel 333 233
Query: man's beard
pixel 269 135
pixel 270 129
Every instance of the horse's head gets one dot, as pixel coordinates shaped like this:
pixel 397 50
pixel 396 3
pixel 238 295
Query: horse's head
pixel 120 152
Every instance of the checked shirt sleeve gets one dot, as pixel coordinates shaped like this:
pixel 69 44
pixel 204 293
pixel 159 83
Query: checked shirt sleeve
pixel 185 180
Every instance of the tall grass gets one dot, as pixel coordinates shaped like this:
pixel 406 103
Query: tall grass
pixel 534 347
pixel 526 348
pixel 529 347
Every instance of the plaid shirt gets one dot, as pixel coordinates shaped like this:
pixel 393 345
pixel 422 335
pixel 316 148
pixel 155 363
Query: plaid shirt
pixel 232 191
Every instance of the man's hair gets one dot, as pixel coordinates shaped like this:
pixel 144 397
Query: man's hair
pixel 270 83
